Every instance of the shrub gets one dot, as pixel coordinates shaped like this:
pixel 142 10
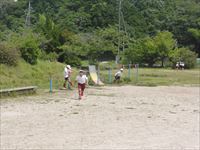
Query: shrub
pixel 28 43
pixel 29 46
pixel 30 52
pixel 8 55
pixel 53 56
pixel 69 58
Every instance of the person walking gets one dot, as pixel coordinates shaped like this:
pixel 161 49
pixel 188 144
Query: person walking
pixel 67 75
pixel 82 80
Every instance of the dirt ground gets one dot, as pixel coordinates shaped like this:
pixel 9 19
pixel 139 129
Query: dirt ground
pixel 126 117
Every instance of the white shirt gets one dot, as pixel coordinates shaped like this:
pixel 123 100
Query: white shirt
pixel 85 77
pixel 182 64
pixel 82 79
pixel 119 74
pixel 66 72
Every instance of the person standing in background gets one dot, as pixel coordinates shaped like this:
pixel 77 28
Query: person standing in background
pixel 67 75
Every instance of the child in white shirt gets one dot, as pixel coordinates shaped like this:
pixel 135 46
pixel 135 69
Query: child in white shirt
pixel 118 75
pixel 82 81
pixel 67 74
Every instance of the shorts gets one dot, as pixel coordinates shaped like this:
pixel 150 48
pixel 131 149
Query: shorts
pixel 67 78
pixel 81 86
pixel 117 77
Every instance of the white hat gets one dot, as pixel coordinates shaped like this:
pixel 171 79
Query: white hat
pixel 68 66
pixel 121 69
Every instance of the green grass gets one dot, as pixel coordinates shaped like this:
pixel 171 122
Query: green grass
pixel 156 76
pixel 26 75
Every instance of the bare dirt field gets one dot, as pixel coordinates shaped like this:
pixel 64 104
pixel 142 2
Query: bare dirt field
pixel 126 117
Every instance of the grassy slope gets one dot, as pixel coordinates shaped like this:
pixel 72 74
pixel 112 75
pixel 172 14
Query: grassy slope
pixel 26 75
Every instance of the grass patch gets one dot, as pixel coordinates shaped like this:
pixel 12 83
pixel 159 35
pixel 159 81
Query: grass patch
pixel 153 75
pixel 156 77
pixel 25 74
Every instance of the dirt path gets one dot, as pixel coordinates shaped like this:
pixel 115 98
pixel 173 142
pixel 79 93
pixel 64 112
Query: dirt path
pixel 125 117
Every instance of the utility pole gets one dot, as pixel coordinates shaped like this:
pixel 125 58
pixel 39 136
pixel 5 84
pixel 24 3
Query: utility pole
pixel 119 23
pixel 119 30
pixel 28 16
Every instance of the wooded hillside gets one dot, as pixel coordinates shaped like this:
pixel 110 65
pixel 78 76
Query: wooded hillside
pixel 151 31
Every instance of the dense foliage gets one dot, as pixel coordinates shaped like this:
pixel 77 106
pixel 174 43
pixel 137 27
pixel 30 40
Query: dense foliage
pixel 184 55
pixel 8 54
pixel 70 31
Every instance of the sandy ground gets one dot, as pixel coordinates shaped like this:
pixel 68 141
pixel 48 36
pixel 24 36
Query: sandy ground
pixel 126 117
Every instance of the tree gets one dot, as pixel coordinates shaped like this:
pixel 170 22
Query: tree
pixel 12 14
pixel 50 30
pixel 143 51
pixel 164 42
pixel 134 53
pixel 69 55
pixel 69 22
pixel 28 43
pixel 151 49
pixel 186 16
pixel 195 33
pixel 183 54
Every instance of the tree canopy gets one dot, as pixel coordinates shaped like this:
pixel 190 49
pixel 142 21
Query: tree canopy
pixel 88 29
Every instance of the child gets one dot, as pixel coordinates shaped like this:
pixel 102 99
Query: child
pixel 118 75
pixel 182 65
pixel 67 74
pixel 177 65
pixel 82 81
